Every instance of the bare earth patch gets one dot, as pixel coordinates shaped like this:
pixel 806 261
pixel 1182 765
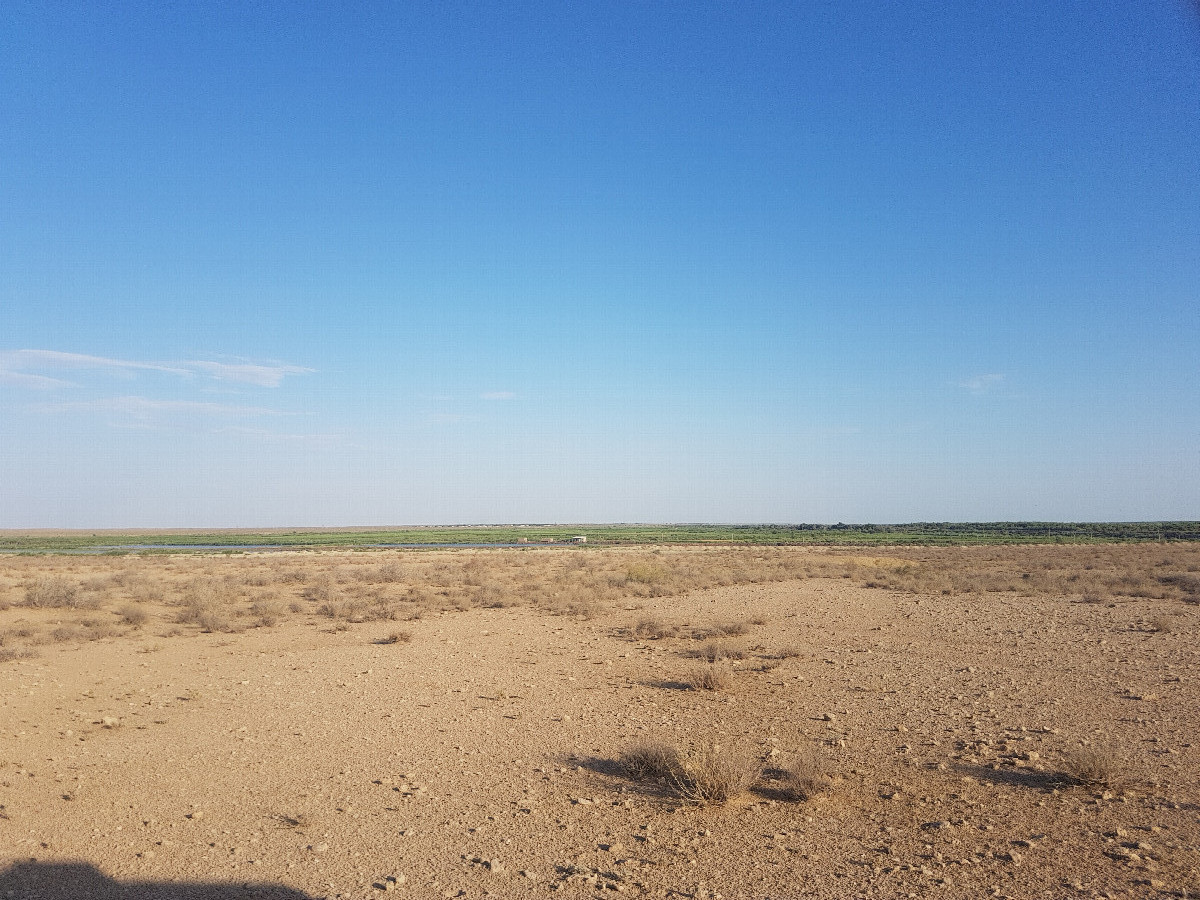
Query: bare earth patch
pixel 1010 722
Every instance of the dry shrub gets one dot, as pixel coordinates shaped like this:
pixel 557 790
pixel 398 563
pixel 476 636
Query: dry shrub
pixel 208 620
pixel 396 637
pixel 580 607
pixel 85 631
pixel 805 778
pixel 713 677
pixel 1163 624
pixel 381 609
pixel 291 576
pixel 320 592
pixel 206 603
pixel 143 590
pixel 729 629
pixel 653 629
pixel 390 573
pixel 1096 767
pixel 133 615
pixel 1188 585
pixel 267 611
pixel 490 596
pixel 644 573
pixel 57 592
pixel 716 652
pixel 652 759
pixel 715 774
pixel 7 654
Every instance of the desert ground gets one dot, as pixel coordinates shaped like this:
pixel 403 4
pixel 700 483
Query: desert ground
pixel 684 722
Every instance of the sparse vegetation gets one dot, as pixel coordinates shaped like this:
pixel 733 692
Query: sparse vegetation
pixel 714 774
pixel 133 615
pixel 943 691
pixel 7 654
pixel 653 759
pixel 712 677
pixel 653 629
pixel 805 778
pixel 53 593
pixel 716 652
pixel 1096 766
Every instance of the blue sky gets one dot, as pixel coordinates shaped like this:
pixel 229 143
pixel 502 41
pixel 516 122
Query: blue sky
pixel 292 264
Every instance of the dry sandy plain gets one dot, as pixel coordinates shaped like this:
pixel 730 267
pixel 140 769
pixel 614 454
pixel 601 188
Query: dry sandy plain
pixel 452 724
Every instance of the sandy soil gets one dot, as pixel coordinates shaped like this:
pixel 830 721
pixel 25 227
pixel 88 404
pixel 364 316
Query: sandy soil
pixel 481 757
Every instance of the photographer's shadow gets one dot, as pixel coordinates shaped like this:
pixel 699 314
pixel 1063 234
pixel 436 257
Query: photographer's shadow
pixel 51 881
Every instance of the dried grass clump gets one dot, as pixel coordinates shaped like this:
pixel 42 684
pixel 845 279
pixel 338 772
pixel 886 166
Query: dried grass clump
pixel 268 612
pixel 1187 584
pixel 491 596
pixel 1163 624
pixel 653 629
pixel 653 759
pixel 56 593
pixel 133 615
pixel 83 632
pixel 805 778
pixel 644 573
pixel 713 677
pixel 320 592
pixel 206 603
pixel 716 652
pixel 581 607
pixel 715 774
pixel 396 637
pixel 7 654
pixel 729 629
pixel 1096 767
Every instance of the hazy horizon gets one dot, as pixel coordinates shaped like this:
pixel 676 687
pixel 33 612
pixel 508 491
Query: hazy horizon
pixel 669 263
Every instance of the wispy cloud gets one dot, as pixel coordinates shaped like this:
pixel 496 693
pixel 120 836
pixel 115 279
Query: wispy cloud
pixel 146 407
pixel 27 368
pixel 247 373
pixel 497 395
pixel 29 380
pixel 981 384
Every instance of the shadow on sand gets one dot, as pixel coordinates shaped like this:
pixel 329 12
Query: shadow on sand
pixel 1031 779
pixel 53 881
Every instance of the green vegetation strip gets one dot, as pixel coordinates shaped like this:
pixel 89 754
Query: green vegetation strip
pixel 922 533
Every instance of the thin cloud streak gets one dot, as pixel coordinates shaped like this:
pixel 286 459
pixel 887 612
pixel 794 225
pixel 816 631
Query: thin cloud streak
pixel 247 373
pixel 981 384
pixel 22 367
pixel 36 382
pixel 143 407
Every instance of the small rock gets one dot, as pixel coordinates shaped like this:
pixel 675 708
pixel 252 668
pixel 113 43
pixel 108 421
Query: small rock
pixel 320 848
pixel 828 717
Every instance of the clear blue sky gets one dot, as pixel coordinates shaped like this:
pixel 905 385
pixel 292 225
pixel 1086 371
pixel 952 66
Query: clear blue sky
pixel 386 263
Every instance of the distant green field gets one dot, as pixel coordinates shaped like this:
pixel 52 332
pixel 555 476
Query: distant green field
pixel 921 533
